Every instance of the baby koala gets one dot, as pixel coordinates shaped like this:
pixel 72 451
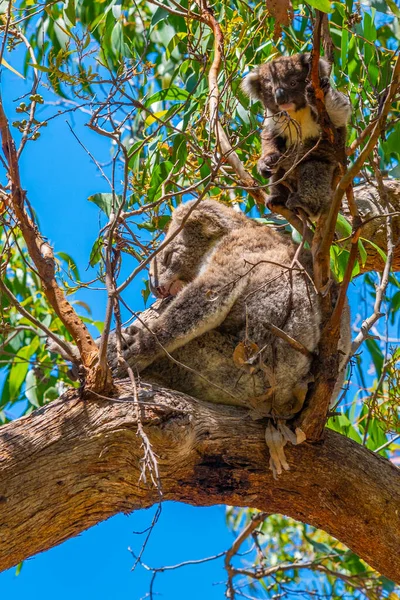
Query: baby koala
pixel 293 148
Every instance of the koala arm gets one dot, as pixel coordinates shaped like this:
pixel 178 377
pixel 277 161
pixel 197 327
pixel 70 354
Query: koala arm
pixel 337 104
pixel 198 308
pixel 272 146
pixel 338 107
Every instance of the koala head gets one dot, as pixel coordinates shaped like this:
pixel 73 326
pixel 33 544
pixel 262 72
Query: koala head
pixel 182 258
pixel 281 83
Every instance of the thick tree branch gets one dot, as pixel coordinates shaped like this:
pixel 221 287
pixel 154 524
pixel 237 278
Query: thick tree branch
pixel 72 464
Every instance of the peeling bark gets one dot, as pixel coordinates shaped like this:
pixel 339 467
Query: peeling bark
pixel 371 210
pixel 74 463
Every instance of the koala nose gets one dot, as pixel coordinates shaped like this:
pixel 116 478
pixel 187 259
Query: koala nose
pixel 162 292
pixel 280 96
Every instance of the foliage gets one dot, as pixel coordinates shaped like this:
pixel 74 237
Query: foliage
pixel 139 71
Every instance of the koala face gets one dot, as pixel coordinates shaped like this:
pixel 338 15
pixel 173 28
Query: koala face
pixel 182 258
pixel 179 262
pixel 281 83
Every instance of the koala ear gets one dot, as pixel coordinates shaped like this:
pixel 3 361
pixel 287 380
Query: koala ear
pixel 324 68
pixel 205 224
pixel 251 84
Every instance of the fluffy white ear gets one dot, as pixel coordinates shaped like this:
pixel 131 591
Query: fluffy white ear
pixel 251 84
pixel 324 67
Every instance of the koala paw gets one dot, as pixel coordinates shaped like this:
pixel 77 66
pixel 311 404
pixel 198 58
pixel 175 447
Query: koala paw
pixel 138 347
pixel 72 355
pixel 325 84
pixel 266 164
pixel 275 201
pixel 312 209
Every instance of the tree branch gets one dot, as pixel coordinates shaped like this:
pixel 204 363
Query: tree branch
pixel 72 464
pixel 41 253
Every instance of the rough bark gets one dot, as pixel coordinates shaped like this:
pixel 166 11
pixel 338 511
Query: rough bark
pixel 371 209
pixel 74 463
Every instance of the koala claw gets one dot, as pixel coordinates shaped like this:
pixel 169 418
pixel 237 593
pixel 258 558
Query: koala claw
pixel 266 164
pixel 274 201
pixel 325 83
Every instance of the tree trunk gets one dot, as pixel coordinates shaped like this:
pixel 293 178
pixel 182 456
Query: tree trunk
pixel 372 212
pixel 74 463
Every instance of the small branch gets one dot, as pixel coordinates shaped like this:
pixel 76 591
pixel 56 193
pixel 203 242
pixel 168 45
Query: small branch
pixel 42 255
pixel 295 344
pixel 255 521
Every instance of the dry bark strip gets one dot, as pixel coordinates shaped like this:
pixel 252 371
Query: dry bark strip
pixel 74 463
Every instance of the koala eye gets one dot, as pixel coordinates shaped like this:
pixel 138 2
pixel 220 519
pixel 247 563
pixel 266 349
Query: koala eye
pixel 293 83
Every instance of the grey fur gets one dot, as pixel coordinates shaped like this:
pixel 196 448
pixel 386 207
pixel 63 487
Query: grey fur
pixel 291 134
pixel 234 277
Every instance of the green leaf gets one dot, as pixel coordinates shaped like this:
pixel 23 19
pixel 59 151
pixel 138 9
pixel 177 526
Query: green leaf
pixel 152 118
pixel 318 546
pixel 379 250
pixel 10 68
pixel 106 202
pixel 20 367
pixel 344 47
pixel 323 5
pixel 394 8
pixel 178 37
pixel 386 6
pixel 95 253
pixel 117 39
pixel 376 354
pixel 343 425
pixel 31 388
pixel 70 262
pixel 145 291
pixel 50 394
pixel 161 14
pixel 61 33
pixel 170 93
pixel 18 568
pixel 69 11
pixel 343 226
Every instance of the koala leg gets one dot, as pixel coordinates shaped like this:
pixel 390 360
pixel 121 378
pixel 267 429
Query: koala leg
pixel 276 438
pixel 314 188
pixel 279 192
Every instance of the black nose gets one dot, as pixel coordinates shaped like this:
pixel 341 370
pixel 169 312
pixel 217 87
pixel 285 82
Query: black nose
pixel 280 96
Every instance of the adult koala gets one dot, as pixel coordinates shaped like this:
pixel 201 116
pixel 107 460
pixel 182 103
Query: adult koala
pixel 225 279
pixel 223 273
